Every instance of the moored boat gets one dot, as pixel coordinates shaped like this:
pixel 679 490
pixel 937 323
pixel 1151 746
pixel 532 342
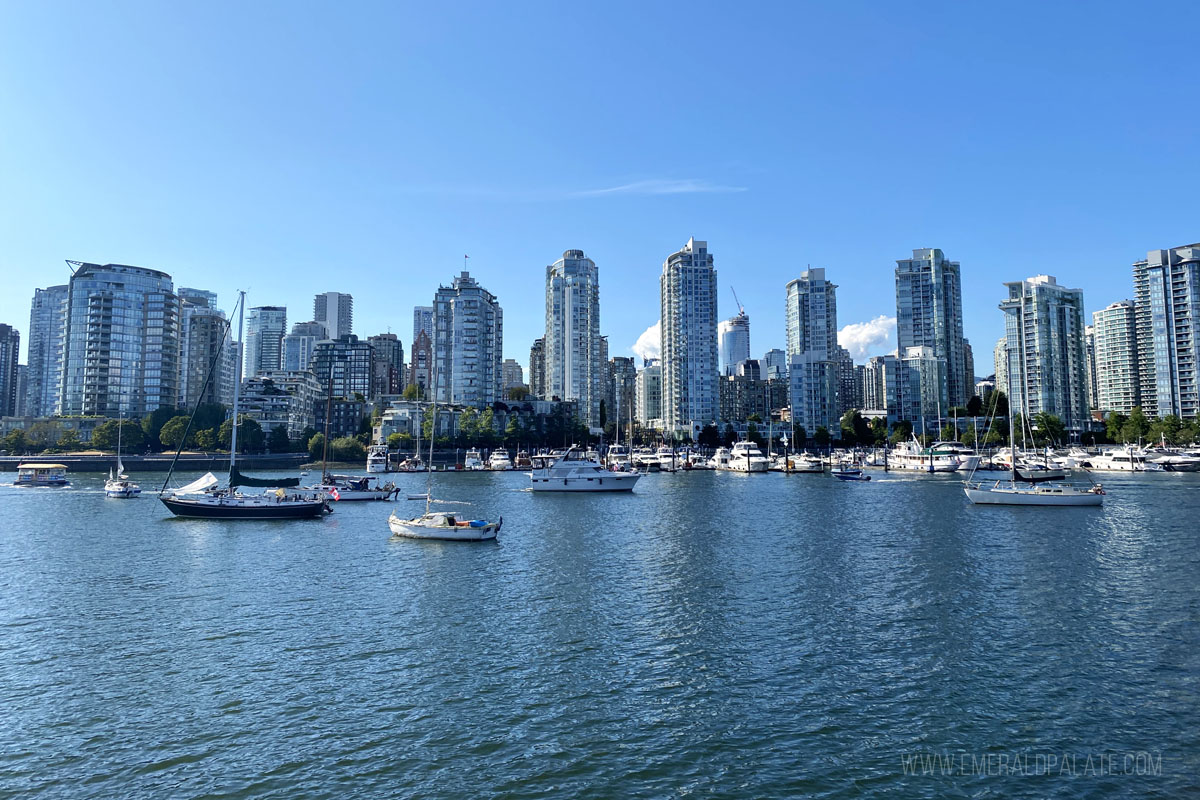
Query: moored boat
pixel 35 474
pixel 574 472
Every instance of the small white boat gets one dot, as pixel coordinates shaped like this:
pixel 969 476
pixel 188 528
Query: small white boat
pixel 377 458
pixel 746 457
pixel 499 460
pixel 444 526
pixel 118 484
pixel 720 459
pixel 473 461
pixel 574 472
pixel 797 463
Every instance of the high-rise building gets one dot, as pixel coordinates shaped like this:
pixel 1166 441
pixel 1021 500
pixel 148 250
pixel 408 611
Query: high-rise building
pixel 265 328
pixel 22 390
pixel 849 383
pixel 334 310
pixel 648 394
pixel 688 293
pixel 1115 350
pixel 1093 386
pixel 878 379
pixel 387 364
pixel 422 321
pixel 1047 370
pixel 623 374
pixel 733 341
pixel 298 345
pixel 1166 288
pixel 969 369
pixel 468 343
pixel 575 365
pixel 47 338
pixel 1000 365
pixel 420 367
pixel 511 374
pixel 121 351
pixel 10 349
pixel 811 314
pixel 774 364
pixel 345 361
pixel 929 313
pixel 537 369
pixel 920 391
pixel 207 356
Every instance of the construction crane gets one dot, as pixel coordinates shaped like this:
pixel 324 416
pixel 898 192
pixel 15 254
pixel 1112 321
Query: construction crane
pixel 741 308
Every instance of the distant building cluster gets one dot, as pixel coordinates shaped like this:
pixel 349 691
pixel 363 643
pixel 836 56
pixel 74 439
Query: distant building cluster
pixel 120 340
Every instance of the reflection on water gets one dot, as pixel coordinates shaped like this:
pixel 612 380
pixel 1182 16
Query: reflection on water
pixel 724 634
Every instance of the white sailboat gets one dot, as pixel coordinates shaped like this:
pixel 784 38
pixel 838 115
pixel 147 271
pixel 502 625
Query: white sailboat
pixel 440 525
pixel 1026 490
pixel 118 484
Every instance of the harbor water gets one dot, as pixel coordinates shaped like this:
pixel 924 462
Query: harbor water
pixel 710 635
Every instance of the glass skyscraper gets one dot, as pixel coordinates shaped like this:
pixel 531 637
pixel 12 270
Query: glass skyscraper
pixel 1166 288
pixel 688 296
pixel 812 349
pixel 265 328
pixel 47 338
pixel 1114 343
pixel 929 314
pixel 575 365
pixel 468 344
pixel 734 342
pixel 121 354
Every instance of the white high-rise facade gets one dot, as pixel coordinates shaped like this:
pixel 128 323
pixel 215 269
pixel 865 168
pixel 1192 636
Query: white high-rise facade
pixel 468 344
pixel 648 395
pixel 1046 355
pixel 734 342
pixel 1166 287
pixel 265 328
pixel 300 344
pixel 47 334
pixel 422 321
pixel 929 314
pixel 688 292
pixel 575 363
pixel 1115 351
pixel 812 348
pixel 335 310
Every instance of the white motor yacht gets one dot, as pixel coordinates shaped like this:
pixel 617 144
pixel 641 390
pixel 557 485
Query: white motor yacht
pixel 911 456
pixel 618 458
pixel 668 459
pixel 797 462
pixel 720 459
pixel 499 460
pixel 473 461
pixel 1123 460
pixel 746 457
pixel 377 458
pixel 645 459
pixel 1172 460
pixel 574 472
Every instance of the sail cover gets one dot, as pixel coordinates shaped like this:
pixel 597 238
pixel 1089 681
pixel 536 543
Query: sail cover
pixel 238 479
pixel 199 485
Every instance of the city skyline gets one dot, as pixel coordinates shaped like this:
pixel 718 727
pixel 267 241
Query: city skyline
pixel 284 211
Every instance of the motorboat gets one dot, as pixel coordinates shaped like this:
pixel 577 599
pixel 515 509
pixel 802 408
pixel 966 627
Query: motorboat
pixel 377 458
pixel 797 462
pixel 411 464
pixel 472 461
pixel 118 485
pixel 746 457
pixel 968 459
pixel 444 526
pixel 911 456
pixel 645 459
pixel 850 475
pixel 1125 459
pixel 522 461
pixel 668 459
pixel 720 459
pixel 499 460
pixel 618 458
pixel 34 474
pixel 353 487
pixel 574 472
pixel 696 461
pixel 1172 460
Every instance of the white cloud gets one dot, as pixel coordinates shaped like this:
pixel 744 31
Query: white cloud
pixel 664 186
pixel 649 344
pixel 872 338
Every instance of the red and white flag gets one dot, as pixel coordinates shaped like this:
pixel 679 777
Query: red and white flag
pixel 335 494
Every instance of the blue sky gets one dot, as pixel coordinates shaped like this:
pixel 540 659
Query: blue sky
pixel 292 148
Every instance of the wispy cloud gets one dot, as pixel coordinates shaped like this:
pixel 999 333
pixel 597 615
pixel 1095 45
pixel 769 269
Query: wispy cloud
pixel 649 344
pixel 663 186
pixel 865 339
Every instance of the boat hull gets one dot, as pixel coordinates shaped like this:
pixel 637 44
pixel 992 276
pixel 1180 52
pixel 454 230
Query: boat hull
pixel 1011 497
pixel 303 509
pixel 616 482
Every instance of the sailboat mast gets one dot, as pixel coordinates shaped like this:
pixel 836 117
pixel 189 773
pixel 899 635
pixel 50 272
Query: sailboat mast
pixel 237 382
pixel 325 438
pixel 432 438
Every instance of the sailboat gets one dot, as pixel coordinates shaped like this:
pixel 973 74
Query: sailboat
pixel 118 484
pixel 443 525
pixel 1027 489
pixel 206 499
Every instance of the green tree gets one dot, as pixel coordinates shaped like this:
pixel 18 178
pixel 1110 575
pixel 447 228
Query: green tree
pixel 1168 428
pixel 799 437
pixel 250 435
pixel 1136 427
pixel 518 393
pixel 104 437
pixel 974 406
pixel 512 431
pixel 171 434
pixel 753 435
pixel 347 448
pixel 412 392
pixel 997 404
pixel 968 436
pixel 879 432
pixel 487 428
pixel 69 442
pixel 1048 429
pixel 729 436
pixel 1113 424
pixel 755 417
pixel 822 437
pixel 316 446
pixel 848 429
pixel 468 427
pixel 709 436
pixel 152 424
pixel 901 432
pixel 206 438
pixel 395 441
pixel 15 442
pixel 278 441
pixel 42 436
pixel 948 433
